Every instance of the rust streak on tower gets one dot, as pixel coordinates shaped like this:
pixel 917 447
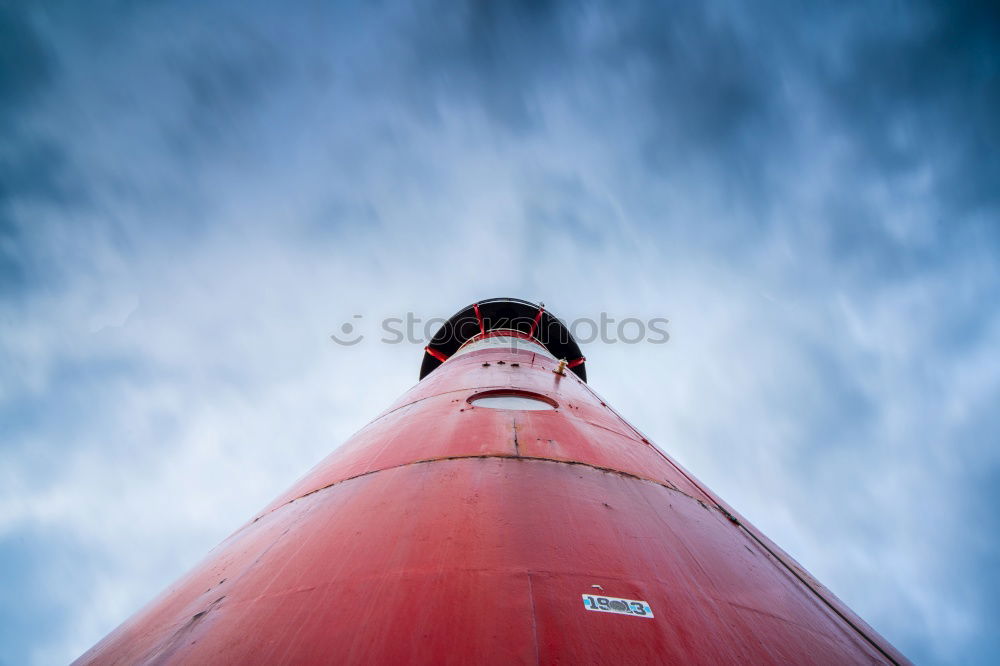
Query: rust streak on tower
pixel 498 512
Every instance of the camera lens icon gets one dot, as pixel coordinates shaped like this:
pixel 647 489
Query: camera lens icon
pixel 347 337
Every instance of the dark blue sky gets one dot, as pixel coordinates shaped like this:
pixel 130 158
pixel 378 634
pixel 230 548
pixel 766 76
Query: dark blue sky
pixel 195 195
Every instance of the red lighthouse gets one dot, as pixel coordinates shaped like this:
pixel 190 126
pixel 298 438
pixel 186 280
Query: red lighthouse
pixel 498 512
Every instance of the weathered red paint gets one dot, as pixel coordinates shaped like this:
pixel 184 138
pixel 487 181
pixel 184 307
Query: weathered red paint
pixel 447 533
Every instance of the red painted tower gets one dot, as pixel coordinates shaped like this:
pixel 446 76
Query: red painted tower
pixel 499 512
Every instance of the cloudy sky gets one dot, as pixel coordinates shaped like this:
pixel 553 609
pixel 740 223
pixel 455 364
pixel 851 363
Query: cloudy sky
pixel 195 195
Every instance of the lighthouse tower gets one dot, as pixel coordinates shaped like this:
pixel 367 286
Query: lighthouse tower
pixel 499 512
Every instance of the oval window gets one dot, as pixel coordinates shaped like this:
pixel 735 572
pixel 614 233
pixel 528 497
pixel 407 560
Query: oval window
pixel 512 400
